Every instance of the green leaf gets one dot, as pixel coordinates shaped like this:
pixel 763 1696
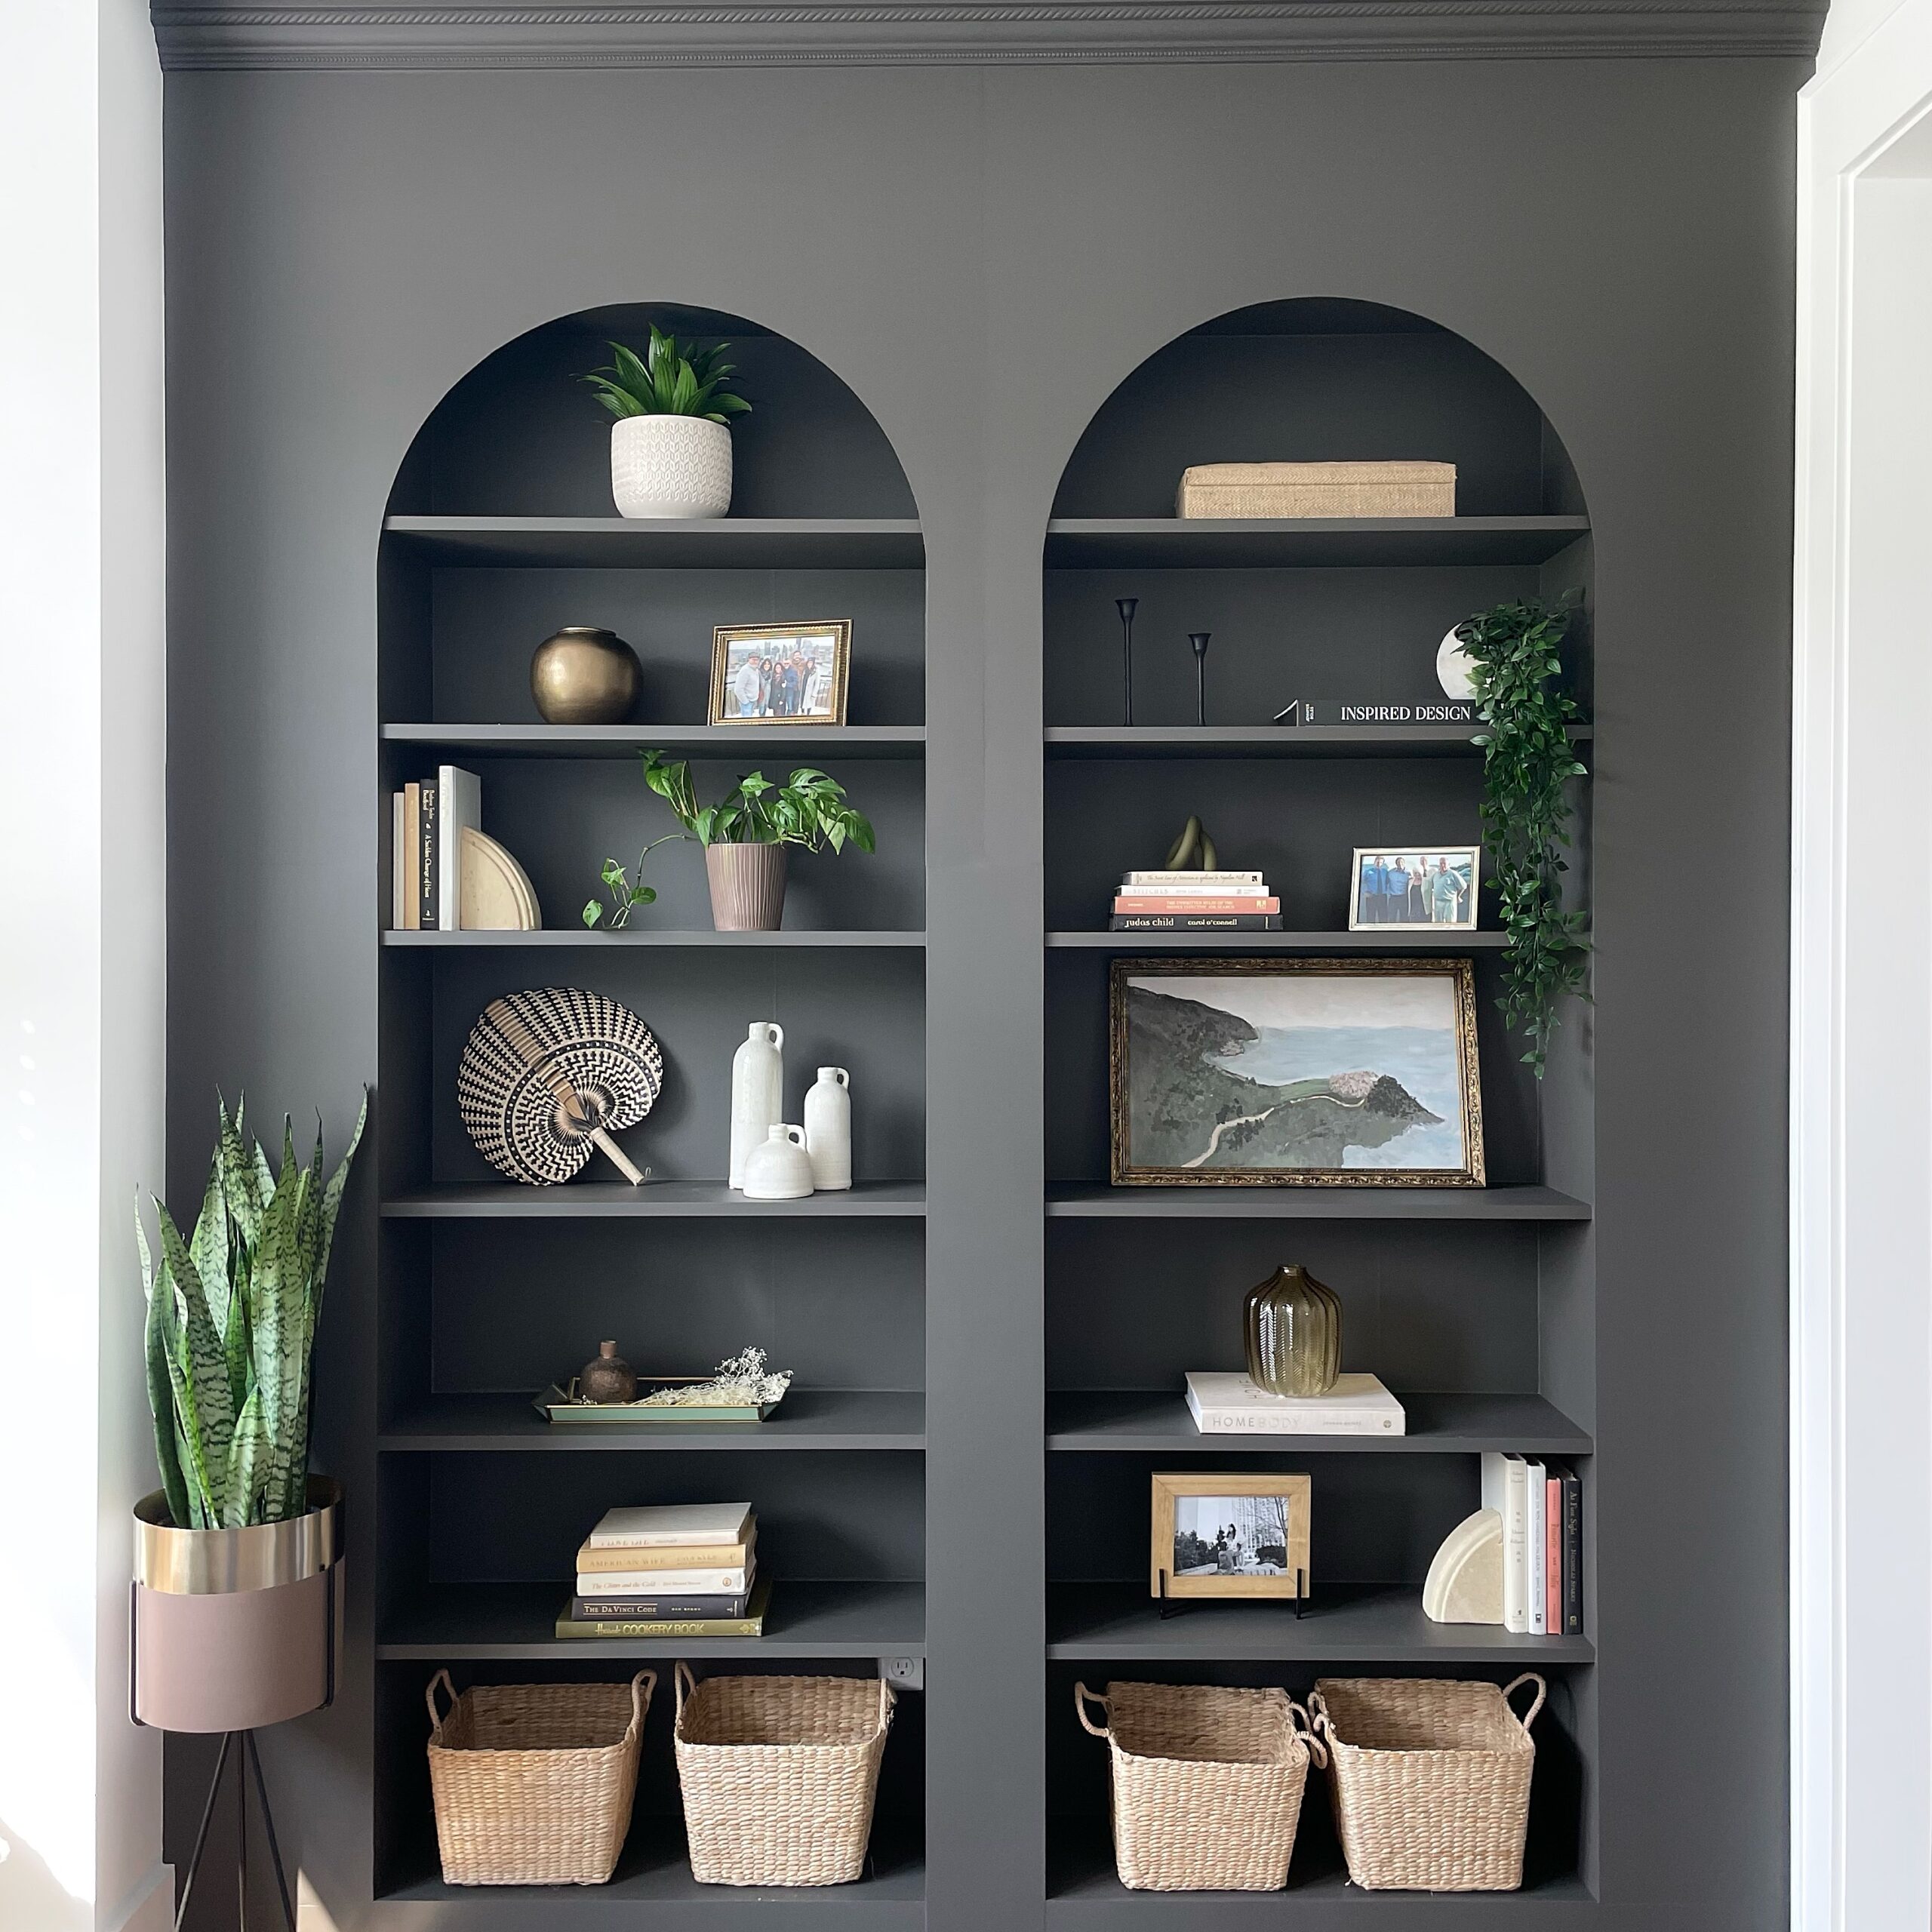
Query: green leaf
pixel 160 1293
pixel 241 1177
pixel 199 1372
pixel 246 1475
pixel 592 912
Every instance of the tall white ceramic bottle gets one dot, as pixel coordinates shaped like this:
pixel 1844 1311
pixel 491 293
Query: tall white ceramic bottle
pixel 828 1129
pixel 758 1092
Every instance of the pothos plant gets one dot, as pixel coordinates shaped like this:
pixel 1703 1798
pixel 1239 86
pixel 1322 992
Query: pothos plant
pixel 1515 649
pixel 809 809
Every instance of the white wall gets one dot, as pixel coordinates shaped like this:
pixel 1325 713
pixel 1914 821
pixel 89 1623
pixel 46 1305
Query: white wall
pixel 81 952
pixel 1862 955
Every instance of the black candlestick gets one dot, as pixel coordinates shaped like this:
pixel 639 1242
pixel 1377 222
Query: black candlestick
pixel 1126 606
pixel 1199 640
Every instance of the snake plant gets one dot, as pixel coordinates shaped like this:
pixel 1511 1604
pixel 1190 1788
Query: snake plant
pixel 231 1322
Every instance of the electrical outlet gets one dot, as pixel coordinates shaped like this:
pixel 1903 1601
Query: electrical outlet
pixel 903 1673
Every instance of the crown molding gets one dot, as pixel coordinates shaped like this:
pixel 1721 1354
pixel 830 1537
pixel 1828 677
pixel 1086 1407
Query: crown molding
pixel 390 34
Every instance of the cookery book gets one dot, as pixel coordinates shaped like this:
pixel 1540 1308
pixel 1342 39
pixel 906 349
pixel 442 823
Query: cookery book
pixel 655 1525
pixel 752 1624
pixel 1226 1405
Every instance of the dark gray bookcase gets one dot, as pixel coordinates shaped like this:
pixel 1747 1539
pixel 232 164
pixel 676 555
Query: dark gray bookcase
pixel 1476 1306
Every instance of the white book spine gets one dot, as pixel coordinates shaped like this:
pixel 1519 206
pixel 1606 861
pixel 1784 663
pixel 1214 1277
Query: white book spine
pixel 1246 1422
pixel 1138 889
pixel 660 1583
pixel 1196 882
pixel 398 865
pixel 459 802
pixel 1516 1547
pixel 1539 1552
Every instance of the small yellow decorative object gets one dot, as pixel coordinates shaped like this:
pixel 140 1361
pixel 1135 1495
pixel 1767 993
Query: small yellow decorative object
pixel 1464 1582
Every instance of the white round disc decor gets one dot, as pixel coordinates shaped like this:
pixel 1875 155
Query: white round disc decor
pixel 1455 670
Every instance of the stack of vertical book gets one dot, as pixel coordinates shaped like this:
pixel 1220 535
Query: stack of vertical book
pixel 676 1570
pixel 1542 1507
pixel 1164 902
pixel 425 854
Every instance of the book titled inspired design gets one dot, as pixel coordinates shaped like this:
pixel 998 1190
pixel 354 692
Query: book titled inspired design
pixel 751 1624
pixel 1337 711
pixel 1229 1404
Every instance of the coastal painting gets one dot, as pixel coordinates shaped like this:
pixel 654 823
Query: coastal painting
pixel 1309 1072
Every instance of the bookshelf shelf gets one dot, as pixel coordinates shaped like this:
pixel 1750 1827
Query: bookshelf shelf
pixel 1309 543
pixel 607 542
pixel 1281 942
pixel 1346 1623
pixel 1320 741
pixel 615 1200
pixel 1141 1421
pixel 474 1621
pixel 1095 1200
pixel 828 1419
pixel 625 741
pixel 555 937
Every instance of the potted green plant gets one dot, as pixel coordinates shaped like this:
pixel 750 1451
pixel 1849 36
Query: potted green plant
pixel 744 836
pixel 671 444
pixel 1515 660
pixel 236 1552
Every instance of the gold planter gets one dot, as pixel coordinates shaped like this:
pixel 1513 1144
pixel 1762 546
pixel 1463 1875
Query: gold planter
pixel 235 1628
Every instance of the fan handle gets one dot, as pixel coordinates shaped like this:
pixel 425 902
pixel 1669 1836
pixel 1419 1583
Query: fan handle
pixel 626 1165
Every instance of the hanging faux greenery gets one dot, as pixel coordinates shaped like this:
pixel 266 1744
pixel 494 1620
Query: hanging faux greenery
pixel 1528 760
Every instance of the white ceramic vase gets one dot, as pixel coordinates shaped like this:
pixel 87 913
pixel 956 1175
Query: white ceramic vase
pixel 758 1092
pixel 828 1129
pixel 1455 669
pixel 670 466
pixel 780 1169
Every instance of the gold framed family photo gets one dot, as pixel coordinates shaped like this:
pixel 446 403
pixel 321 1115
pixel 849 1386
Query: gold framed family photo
pixel 779 674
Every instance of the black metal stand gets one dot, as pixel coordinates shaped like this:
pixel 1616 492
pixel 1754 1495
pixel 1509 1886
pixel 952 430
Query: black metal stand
pixel 247 1759
pixel 1126 606
pixel 1199 640
pixel 1174 1606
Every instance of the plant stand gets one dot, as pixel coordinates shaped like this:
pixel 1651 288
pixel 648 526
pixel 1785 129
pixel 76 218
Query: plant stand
pixel 241 1745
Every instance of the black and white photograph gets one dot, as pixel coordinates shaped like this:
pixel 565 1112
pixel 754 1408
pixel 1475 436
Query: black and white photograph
pixel 779 674
pixel 1231 1536
pixel 1394 890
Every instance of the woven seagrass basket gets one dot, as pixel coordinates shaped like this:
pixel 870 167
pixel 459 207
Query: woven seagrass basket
pixel 1206 1783
pixel 1317 489
pixel 533 1783
pixel 1431 1780
pixel 779 1775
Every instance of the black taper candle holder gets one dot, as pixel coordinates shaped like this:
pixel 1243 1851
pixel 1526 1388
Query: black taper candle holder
pixel 1126 606
pixel 1199 640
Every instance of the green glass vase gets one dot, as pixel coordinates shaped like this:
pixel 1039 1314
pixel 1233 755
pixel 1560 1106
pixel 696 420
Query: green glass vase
pixel 1293 1328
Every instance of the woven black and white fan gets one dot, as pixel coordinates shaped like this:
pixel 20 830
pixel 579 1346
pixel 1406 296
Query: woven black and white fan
pixel 549 1075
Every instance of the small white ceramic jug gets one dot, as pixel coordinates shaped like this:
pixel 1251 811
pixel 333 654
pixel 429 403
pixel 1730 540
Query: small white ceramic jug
pixel 828 1129
pixel 758 1092
pixel 779 1170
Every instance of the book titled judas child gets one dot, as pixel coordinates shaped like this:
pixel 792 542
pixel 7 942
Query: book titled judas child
pixel 1195 922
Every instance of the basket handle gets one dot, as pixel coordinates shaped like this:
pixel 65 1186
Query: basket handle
pixel 1082 1697
pixel 1319 1724
pixel 1529 1717
pixel 685 1681
pixel 887 1698
pixel 1305 1730
pixel 640 1704
pixel 436 1717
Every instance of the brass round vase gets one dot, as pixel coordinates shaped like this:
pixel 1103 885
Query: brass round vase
pixel 1293 1324
pixel 585 675
pixel 235 1629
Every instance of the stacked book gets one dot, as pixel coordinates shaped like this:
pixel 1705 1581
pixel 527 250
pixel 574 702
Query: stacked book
pixel 1542 1507
pixel 1164 902
pixel 446 873
pixel 1234 1404
pixel 676 1570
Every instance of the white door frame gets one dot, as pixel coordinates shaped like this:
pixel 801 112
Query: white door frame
pixel 1861 1092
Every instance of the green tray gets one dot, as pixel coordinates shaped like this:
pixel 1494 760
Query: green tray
pixel 556 1405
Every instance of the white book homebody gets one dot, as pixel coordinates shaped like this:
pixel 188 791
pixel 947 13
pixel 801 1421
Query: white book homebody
pixel 1225 1405
pixel 655 1526
pixel 664 1582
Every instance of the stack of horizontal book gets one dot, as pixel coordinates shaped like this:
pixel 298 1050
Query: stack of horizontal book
pixel 1163 902
pixel 676 1570
pixel 1541 1504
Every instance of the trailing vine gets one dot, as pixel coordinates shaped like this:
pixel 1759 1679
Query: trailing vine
pixel 1527 762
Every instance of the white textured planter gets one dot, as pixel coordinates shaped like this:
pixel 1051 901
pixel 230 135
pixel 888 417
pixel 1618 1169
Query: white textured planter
pixel 670 466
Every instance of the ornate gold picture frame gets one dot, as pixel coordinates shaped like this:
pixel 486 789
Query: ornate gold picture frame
pixel 1291 1073
pixel 780 674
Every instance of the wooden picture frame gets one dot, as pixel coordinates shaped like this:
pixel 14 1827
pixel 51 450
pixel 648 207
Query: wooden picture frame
pixel 800 677
pixel 1185 1113
pixel 1419 905
pixel 1177 1497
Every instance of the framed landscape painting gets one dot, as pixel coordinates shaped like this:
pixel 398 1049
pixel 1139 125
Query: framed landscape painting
pixel 1295 1072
